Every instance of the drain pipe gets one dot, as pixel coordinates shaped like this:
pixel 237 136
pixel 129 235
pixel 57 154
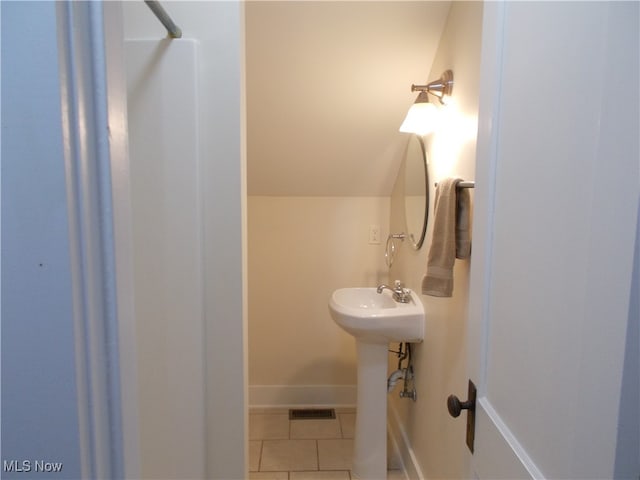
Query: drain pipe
pixel 406 373
pixel 393 379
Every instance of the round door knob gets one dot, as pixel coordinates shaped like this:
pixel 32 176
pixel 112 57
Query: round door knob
pixel 455 406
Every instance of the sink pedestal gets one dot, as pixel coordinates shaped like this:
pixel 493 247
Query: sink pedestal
pixel 370 442
pixel 374 319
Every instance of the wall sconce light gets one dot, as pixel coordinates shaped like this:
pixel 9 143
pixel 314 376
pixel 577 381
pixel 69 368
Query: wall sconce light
pixel 421 118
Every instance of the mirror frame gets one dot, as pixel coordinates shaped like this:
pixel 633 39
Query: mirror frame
pixel 420 241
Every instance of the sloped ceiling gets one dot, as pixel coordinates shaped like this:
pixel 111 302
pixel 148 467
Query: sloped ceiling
pixel 328 84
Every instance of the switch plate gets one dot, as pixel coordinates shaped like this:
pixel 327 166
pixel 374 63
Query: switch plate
pixel 374 234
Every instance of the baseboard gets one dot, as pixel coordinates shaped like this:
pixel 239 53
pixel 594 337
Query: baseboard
pixel 286 396
pixel 401 440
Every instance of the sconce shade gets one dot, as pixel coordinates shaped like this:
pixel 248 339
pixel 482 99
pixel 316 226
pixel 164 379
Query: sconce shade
pixel 421 118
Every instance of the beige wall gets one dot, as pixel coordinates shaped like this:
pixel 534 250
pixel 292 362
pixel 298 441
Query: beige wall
pixel 327 86
pixel 300 250
pixel 440 363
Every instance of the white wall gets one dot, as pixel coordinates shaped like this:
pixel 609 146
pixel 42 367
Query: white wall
pixel 300 250
pixel 218 27
pixel 440 362
pixel 39 394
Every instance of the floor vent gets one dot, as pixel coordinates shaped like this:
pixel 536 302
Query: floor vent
pixel 311 413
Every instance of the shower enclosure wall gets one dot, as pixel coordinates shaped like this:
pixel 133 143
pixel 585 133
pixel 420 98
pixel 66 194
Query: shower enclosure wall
pixel 186 165
pixel 168 278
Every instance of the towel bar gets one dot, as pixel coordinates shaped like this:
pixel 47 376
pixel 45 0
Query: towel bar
pixel 461 185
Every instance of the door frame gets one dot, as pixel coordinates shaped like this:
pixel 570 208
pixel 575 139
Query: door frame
pixel 94 124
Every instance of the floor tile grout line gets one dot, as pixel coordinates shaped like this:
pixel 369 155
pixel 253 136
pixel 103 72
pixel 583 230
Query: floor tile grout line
pixel 318 467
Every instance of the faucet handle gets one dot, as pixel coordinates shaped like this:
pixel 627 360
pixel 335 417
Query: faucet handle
pixel 398 284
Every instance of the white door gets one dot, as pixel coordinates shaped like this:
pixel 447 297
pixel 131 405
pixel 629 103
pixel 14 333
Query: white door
pixel 554 230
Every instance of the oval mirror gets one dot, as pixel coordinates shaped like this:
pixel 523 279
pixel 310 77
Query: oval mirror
pixel 416 191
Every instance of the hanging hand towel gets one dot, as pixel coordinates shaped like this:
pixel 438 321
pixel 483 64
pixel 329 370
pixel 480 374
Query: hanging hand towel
pixel 463 223
pixel 451 217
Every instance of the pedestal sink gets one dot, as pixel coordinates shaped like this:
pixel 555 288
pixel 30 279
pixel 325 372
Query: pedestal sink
pixel 374 319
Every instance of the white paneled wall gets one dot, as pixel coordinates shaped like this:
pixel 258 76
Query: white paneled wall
pixel 166 197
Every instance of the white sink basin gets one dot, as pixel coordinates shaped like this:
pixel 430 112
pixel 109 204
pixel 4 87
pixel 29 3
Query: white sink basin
pixel 376 317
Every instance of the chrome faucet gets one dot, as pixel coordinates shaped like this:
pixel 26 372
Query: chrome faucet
pixel 400 294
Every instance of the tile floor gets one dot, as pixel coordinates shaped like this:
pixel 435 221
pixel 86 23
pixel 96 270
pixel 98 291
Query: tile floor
pixel 283 449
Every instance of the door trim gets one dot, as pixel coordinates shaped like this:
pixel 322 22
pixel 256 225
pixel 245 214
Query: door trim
pixel 102 308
